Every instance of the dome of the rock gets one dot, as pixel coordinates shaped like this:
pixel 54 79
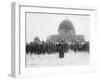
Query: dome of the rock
pixel 66 32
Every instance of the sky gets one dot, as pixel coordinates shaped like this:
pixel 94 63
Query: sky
pixel 44 25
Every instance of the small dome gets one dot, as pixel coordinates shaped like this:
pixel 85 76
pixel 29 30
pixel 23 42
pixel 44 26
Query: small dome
pixel 36 40
pixel 66 25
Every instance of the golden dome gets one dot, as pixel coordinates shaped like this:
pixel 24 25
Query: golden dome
pixel 66 25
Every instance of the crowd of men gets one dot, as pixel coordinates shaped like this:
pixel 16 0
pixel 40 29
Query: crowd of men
pixel 59 47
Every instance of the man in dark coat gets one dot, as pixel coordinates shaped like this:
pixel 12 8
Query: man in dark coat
pixel 61 50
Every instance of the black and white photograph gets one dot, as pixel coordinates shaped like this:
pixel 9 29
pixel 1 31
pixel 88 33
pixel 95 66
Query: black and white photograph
pixel 55 39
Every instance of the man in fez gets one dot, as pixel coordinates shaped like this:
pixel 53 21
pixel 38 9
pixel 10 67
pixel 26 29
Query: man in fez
pixel 61 50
